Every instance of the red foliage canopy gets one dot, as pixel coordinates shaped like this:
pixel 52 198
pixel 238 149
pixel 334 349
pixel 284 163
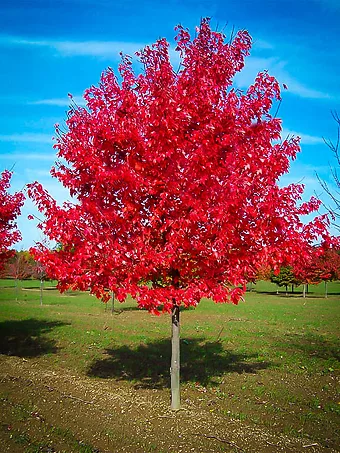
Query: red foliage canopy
pixel 174 176
pixel 321 264
pixel 10 206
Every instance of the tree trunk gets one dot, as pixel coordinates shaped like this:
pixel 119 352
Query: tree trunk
pixel 304 290
pixel 292 289
pixel 326 293
pixel 113 302
pixel 286 290
pixel 41 291
pixel 307 288
pixel 175 359
pixel 16 289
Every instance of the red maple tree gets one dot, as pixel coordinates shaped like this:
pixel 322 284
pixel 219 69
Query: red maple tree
pixel 174 180
pixel 10 208
pixel 321 264
pixel 20 266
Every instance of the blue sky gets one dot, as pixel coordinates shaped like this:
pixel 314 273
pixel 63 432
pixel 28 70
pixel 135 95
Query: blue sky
pixel 49 49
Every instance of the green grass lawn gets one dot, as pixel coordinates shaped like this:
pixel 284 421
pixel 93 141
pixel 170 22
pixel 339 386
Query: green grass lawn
pixel 272 360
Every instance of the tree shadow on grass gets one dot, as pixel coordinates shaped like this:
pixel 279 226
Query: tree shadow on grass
pixel 311 294
pixel 148 364
pixel 26 338
pixel 119 309
pixel 289 294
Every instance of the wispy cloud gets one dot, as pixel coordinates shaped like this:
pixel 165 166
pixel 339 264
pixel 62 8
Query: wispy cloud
pixel 309 181
pixel 111 49
pixel 36 173
pixel 306 175
pixel 100 49
pixel 96 48
pixel 277 68
pixel 300 173
pixel 305 138
pixel 26 137
pixel 261 44
pixel 301 90
pixel 29 156
pixel 60 102
pixel 31 234
pixel 76 48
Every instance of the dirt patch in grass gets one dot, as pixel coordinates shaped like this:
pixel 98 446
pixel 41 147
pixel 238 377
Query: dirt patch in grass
pixel 53 410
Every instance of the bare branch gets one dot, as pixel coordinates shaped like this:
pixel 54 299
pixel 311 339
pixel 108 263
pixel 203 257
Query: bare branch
pixel 334 194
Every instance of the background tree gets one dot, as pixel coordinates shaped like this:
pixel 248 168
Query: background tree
pixel 321 264
pixel 39 272
pixel 264 273
pixel 285 277
pixel 329 264
pixel 307 270
pixel 20 267
pixel 10 207
pixel 174 176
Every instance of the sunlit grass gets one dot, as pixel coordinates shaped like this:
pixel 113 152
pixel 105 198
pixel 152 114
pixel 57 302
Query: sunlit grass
pixel 271 359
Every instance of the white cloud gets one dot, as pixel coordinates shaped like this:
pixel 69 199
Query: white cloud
pixel 29 231
pixel 305 138
pixel 60 102
pixel 276 68
pixel 111 49
pixel 307 179
pixel 306 174
pixel 261 44
pixel 36 173
pixel 77 48
pixel 29 156
pixel 301 90
pixel 300 173
pixel 102 49
pixel 96 48
pixel 56 189
pixel 29 137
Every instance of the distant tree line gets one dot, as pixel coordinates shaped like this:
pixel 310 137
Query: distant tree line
pixel 321 265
